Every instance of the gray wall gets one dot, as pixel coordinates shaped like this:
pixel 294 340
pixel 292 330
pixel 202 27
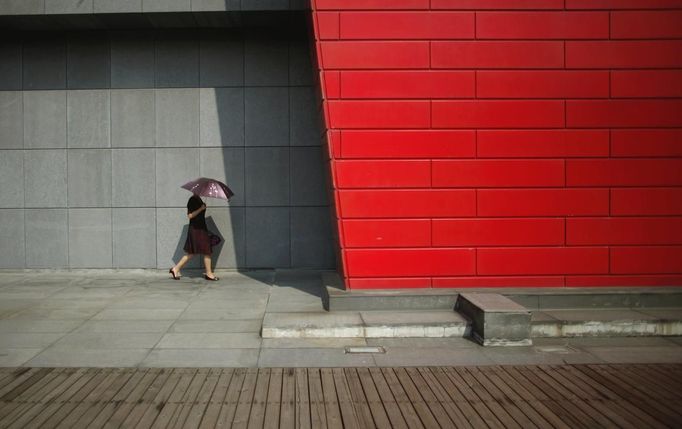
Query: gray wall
pixel 98 130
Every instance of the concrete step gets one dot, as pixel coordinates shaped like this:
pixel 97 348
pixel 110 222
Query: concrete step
pixel 369 324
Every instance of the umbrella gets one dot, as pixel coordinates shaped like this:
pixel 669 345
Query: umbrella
pixel 206 187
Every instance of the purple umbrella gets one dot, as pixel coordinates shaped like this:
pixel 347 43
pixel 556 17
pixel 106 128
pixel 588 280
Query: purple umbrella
pixel 206 187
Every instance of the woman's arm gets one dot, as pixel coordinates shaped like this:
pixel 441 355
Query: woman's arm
pixel 197 211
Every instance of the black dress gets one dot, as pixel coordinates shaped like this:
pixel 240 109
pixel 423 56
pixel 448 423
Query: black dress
pixel 198 240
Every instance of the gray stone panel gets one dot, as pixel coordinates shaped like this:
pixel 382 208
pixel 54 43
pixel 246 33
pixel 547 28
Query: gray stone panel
pixel 226 165
pixel 44 119
pixel 89 178
pixel 267 173
pixel 266 61
pixel 12 245
pixel 45 178
pixel 215 5
pixel 177 62
pixel 311 238
pixel 10 66
pixel 267 116
pixel 132 60
pixel 305 118
pixel 46 238
pixel 221 61
pixel 175 167
pixel 22 7
pixel 133 178
pixel 68 6
pixel 90 238
pixel 300 63
pixel 11 120
pixel 88 62
pixel 228 223
pixel 308 182
pixel 222 116
pixel 117 6
pixel 267 237
pixel 177 117
pixel 88 119
pixel 165 5
pixel 44 64
pixel 12 179
pixel 171 233
pixel 132 118
pixel 134 238
pixel 299 4
pixel 265 4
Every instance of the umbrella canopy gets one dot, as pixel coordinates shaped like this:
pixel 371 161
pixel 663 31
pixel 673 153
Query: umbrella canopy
pixel 211 188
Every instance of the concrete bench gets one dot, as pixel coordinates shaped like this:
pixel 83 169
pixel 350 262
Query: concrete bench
pixel 496 319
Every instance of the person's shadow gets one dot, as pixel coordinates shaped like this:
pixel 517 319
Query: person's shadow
pixel 195 266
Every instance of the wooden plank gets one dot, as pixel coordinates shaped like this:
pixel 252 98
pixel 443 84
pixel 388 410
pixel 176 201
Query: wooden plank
pixel 210 417
pixel 241 416
pixel 360 401
pixel 671 374
pixel 348 411
pixel 21 384
pixel 273 407
pixel 98 376
pixel 318 414
pixel 18 378
pixel 163 387
pixel 457 407
pixel 331 400
pixel 260 399
pixel 110 408
pixel 439 412
pixel 303 419
pixel 649 383
pixel 145 404
pixel 188 399
pixel 487 413
pixel 410 414
pixel 423 410
pixel 384 395
pixel 128 403
pixel 124 374
pixel 287 416
pixel 169 408
pixel 377 405
pixel 231 402
pixel 25 398
pixel 197 409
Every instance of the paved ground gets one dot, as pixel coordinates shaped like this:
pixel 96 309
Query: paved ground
pixel 141 318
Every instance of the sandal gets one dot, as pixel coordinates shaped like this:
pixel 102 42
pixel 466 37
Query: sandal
pixel 172 273
pixel 213 279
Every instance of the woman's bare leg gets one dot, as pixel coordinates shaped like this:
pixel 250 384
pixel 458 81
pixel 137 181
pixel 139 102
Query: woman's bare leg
pixel 207 265
pixel 176 269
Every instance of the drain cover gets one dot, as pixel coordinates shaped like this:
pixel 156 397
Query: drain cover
pixel 365 349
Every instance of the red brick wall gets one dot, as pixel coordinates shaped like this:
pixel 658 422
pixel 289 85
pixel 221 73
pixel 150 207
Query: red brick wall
pixel 504 142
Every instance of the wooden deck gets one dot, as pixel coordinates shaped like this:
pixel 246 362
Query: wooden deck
pixel 569 396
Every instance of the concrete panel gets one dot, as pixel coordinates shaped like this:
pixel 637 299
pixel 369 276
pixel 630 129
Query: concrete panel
pixel 177 117
pixel 308 184
pixel 133 178
pixel 44 65
pixel 311 238
pixel 215 5
pixel 68 6
pixel 305 118
pixel 175 167
pixel 10 66
pixel 12 245
pixel 117 6
pixel 45 178
pixel 267 116
pixel 12 179
pixel 11 120
pixel 90 238
pixel 267 173
pixel 267 237
pixel 134 238
pixel 171 233
pixel 89 178
pixel 222 116
pixel 44 119
pixel 46 238
pixel 88 119
pixel 22 7
pixel 228 223
pixel 226 165
pixel 299 4
pixel 266 61
pixel 88 62
pixel 221 60
pixel 132 118
pixel 165 5
pixel 300 63
pixel 132 60
pixel 265 4
pixel 177 62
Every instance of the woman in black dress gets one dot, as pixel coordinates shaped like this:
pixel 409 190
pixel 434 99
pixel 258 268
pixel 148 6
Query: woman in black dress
pixel 198 240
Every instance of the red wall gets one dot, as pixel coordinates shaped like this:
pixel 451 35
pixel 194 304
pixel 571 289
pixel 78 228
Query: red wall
pixel 538 145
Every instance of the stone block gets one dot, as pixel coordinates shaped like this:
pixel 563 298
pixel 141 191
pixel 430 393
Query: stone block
pixel 11 120
pixel 267 237
pixel 46 238
pixel 311 238
pixel 175 167
pixel 88 62
pixel 228 223
pixel 496 319
pixel 171 233
pixel 221 60
pixel 266 176
pixel 132 60
pixel 22 7
pixel 226 165
pixel 54 7
pixel 44 64
pixel 12 244
pixel 45 178
pixel 177 62
pixel 10 66
pixel 267 116
pixel 44 119
pixel 299 4
pixel 133 118
pixel 177 117
pixel 89 178
pixel 166 5
pixel 266 61
pixel 118 6
pixel 134 238
pixel 222 116
pixel 308 181
pixel 265 4
pixel 133 178
pixel 90 238
pixel 12 179
pixel 300 63
pixel 305 118
pixel 88 118
pixel 215 5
